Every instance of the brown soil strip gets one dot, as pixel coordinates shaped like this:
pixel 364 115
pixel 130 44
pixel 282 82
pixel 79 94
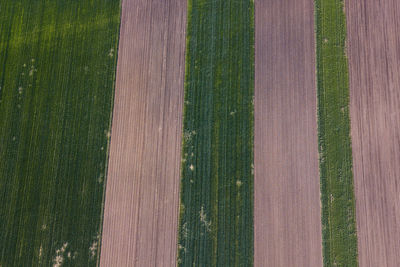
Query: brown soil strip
pixel 374 57
pixel 287 221
pixel 141 203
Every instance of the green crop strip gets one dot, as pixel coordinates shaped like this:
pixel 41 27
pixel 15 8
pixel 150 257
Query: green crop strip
pixel 57 72
pixel 337 190
pixel 216 211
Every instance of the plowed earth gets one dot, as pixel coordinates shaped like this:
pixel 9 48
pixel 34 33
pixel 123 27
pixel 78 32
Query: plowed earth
pixel 287 220
pixel 374 57
pixel 141 203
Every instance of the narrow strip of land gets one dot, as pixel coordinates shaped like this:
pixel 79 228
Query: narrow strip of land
pixel 216 212
pixel 141 202
pixel 374 56
pixel 337 190
pixel 287 222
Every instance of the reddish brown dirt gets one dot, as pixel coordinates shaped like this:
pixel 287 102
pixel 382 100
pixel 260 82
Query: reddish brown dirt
pixel 287 222
pixel 141 203
pixel 374 57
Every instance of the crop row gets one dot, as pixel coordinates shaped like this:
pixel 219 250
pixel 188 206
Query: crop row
pixel 337 186
pixel 216 211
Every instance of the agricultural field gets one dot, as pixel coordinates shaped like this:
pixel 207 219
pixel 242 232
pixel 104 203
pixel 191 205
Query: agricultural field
pixel 216 208
pixel 287 218
pixel 142 192
pixel 337 187
pixel 374 56
pixel 229 139
pixel 57 71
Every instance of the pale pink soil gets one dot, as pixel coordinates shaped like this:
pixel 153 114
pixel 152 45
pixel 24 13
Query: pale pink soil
pixel 141 203
pixel 287 222
pixel 374 57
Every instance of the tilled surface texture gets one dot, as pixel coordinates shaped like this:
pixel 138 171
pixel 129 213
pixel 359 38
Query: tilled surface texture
pixel 374 56
pixel 141 203
pixel 287 222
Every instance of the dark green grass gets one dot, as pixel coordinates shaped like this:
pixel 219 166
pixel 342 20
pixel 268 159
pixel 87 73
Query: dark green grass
pixel 57 85
pixel 337 190
pixel 216 212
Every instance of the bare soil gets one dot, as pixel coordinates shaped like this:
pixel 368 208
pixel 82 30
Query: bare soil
pixel 141 202
pixel 287 221
pixel 374 57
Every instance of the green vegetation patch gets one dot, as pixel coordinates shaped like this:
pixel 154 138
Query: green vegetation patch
pixel 337 189
pixel 57 72
pixel 216 211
